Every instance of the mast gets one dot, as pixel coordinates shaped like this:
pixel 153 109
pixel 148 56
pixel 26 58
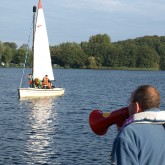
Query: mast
pixel 34 24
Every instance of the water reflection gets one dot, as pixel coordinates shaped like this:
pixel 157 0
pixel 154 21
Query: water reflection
pixel 42 121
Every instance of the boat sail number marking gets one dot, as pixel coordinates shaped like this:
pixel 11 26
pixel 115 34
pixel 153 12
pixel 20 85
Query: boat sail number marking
pixel 39 26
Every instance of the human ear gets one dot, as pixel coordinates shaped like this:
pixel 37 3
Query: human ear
pixel 137 107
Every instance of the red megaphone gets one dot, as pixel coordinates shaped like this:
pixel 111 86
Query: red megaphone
pixel 99 121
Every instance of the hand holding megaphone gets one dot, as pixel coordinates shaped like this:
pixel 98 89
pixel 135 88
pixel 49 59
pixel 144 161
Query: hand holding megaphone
pixel 100 122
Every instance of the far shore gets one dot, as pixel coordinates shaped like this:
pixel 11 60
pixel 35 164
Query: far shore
pixel 99 68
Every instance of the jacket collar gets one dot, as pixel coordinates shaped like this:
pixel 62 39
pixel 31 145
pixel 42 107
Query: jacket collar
pixel 154 116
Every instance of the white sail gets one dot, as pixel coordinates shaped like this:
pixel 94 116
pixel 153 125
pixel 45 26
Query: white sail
pixel 41 59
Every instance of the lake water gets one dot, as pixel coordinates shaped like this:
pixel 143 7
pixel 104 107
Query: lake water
pixel 55 131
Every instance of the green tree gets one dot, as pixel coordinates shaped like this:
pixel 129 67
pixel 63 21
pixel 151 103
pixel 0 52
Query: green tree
pixel 147 58
pixel 113 58
pixel 7 55
pixel 20 55
pixel 162 62
pixel 12 45
pixel 129 54
pixel 161 52
pixel 69 55
pixel 98 47
pixel 1 50
pixel 91 62
pixel 100 39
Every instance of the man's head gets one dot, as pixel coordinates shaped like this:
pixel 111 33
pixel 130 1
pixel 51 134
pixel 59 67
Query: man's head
pixel 143 98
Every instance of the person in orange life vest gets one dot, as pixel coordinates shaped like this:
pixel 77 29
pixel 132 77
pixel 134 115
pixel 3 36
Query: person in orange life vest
pixel 46 82
pixel 30 77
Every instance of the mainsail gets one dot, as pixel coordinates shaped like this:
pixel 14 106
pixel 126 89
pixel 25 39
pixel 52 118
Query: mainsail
pixel 41 58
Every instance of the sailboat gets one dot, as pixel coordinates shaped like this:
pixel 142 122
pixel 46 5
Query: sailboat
pixel 41 59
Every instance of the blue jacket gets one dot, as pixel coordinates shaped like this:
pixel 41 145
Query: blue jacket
pixel 141 141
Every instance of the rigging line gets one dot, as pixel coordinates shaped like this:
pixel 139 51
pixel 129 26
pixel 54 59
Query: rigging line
pixel 26 54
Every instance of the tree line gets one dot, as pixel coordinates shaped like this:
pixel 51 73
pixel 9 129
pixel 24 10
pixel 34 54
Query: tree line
pixel 97 52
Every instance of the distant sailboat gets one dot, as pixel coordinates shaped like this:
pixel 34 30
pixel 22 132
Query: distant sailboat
pixel 41 59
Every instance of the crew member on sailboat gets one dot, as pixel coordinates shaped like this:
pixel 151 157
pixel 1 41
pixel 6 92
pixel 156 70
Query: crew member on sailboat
pixel 30 77
pixel 46 83
pixel 38 83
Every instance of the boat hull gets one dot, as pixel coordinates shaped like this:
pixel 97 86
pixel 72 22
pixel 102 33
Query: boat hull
pixel 37 93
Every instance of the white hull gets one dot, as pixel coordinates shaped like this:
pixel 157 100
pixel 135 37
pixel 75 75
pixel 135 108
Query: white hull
pixel 37 93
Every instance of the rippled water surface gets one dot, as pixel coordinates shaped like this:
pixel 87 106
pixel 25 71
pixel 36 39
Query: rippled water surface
pixel 55 131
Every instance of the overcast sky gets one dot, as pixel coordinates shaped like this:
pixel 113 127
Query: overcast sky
pixel 77 20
